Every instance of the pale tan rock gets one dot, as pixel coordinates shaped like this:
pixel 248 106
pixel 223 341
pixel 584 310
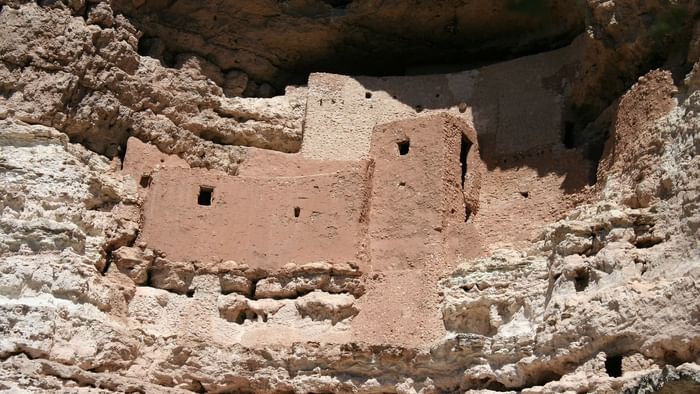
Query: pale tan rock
pixel 275 287
pixel 231 283
pixel 168 275
pixel 612 281
pixel 101 14
pixel 232 306
pixel 134 263
pixel 235 83
pixel 132 96
pixel 323 306
pixel 350 285
pixel 239 309
pixel 198 68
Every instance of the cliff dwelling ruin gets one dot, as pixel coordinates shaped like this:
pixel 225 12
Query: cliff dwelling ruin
pixel 369 186
pixel 311 196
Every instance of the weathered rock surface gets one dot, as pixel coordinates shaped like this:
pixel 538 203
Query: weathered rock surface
pixel 604 300
pixel 277 41
pixel 87 80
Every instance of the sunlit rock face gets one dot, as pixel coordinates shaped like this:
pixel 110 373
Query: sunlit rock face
pixel 349 196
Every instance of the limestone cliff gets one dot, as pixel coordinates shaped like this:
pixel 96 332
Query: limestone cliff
pixel 193 199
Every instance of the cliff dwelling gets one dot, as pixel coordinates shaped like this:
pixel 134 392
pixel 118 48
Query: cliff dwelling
pixel 401 177
pixel 371 187
pixel 313 196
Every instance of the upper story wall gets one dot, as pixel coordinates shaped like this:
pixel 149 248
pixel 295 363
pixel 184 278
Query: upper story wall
pixel 426 178
pixel 513 106
pixel 318 205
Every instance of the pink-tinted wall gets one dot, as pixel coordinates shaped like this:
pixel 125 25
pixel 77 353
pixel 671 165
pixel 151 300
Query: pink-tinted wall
pixel 418 201
pixel 262 221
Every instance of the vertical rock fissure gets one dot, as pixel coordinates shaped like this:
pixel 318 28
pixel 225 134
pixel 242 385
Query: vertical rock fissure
pixel 465 146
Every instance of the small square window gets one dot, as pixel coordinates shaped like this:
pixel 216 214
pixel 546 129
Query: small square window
pixel 145 181
pixel 205 194
pixel 404 146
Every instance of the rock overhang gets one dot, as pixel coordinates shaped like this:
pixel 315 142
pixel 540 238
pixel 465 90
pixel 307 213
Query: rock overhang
pixel 282 42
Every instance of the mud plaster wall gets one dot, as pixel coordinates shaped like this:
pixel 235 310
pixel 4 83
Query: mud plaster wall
pixel 254 220
pixel 417 202
pixel 142 158
pixel 408 223
pixel 513 106
pixel 417 196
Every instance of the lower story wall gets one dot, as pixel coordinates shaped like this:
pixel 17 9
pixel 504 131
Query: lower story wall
pixel 264 222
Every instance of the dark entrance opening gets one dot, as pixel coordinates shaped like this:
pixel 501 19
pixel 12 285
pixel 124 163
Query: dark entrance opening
pixel 297 212
pixel 463 153
pixel 404 146
pixel 613 366
pixel 569 138
pixel 205 193
pixel 145 181
pixel 338 3
pixel 581 280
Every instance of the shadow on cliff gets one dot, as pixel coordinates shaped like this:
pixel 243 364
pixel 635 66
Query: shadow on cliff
pixel 514 129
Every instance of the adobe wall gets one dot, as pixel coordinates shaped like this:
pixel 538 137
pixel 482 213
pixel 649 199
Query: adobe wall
pixel 418 198
pixel 406 237
pixel 520 196
pixel 142 158
pixel 417 207
pixel 252 219
pixel 513 106
pixel 268 163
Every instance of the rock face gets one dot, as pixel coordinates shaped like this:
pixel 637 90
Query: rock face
pixel 92 84
pixel 275 41
pixel 168 224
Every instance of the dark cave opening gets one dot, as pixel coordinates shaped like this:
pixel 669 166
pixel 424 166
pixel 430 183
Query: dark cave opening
pixel 613 366
pixel 416 59
pixel 568 137
pixel 581 280
pixel 350 38
pixel 338 3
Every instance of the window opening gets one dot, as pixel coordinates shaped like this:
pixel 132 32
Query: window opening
pixel 145 181
pixel 613 366
pixel 205 194
pixel 466 145
pixel 404 147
